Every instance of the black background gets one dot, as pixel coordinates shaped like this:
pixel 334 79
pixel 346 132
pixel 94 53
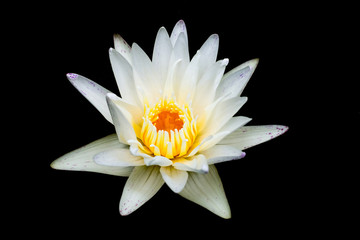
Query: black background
pixel 286 187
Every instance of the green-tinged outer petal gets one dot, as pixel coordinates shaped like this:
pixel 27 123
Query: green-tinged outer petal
pixel 119 157
pixel 249 136
pixel 82 159
pixel 143 183
pixel 93 92
pixel 207 191
pixel 175 179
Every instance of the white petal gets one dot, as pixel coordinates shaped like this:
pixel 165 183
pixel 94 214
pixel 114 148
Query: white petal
pixel 179 28
pixel 143 183
pixel 187 85
pixel 234 82
pixel 161 55
pixel 120 157
pixel 122 47
pixel 197 163
pixel 233 124
pixel 221 114
pixel 146 79
pixel 82 159
pixel 123 127
pixel 249 136
pixel 207 85
pixel 93 92
pixel 172 79
pixel 124 77
pixel 181 49
pixel 207 191
pixel 157 160
pixel 175 179
pixel 252 64
pixel 222 153
pixel 208 53
pixel 132 113
pixel 199 141
pixel 180 52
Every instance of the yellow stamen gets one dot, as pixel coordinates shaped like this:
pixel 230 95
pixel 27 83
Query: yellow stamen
pixel 168 130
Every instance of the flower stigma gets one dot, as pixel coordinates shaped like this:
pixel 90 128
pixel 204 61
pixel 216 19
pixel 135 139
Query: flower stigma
pixel 168 130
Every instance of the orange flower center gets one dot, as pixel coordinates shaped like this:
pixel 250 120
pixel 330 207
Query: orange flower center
pixel 168 121
pixel 168 130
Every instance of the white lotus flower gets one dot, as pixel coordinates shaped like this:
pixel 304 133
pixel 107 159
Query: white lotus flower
pixel 174 121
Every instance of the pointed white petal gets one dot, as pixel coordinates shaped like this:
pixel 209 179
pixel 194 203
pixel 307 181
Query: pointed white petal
pixel 132 113
pixel 146 79
pixel 179 28
pixel 207 191
pixel 122 47
pixel 123 126
pixel 172 79
pixel 252 64
pixel 208 53
pixel 207 85
pixel 249 136
pixel 179 53
pixel 222 113
pixel 161 55
pixel 143 183
pixel 197 163
pixel 124 77
pixel 233 124
pixel 93 92
pixel 119 157
pixel 175 179
pixel 234 82
pixel 222 153
pixel 187 85
pixel 82 159
pixel 181 49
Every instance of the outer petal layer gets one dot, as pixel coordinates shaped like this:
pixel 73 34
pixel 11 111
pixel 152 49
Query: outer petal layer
pixel 119 157
pixel 222 153
pixel 207 191
pixel 93 92
pixel 143 183
pixel 249 136
pixel 82 159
